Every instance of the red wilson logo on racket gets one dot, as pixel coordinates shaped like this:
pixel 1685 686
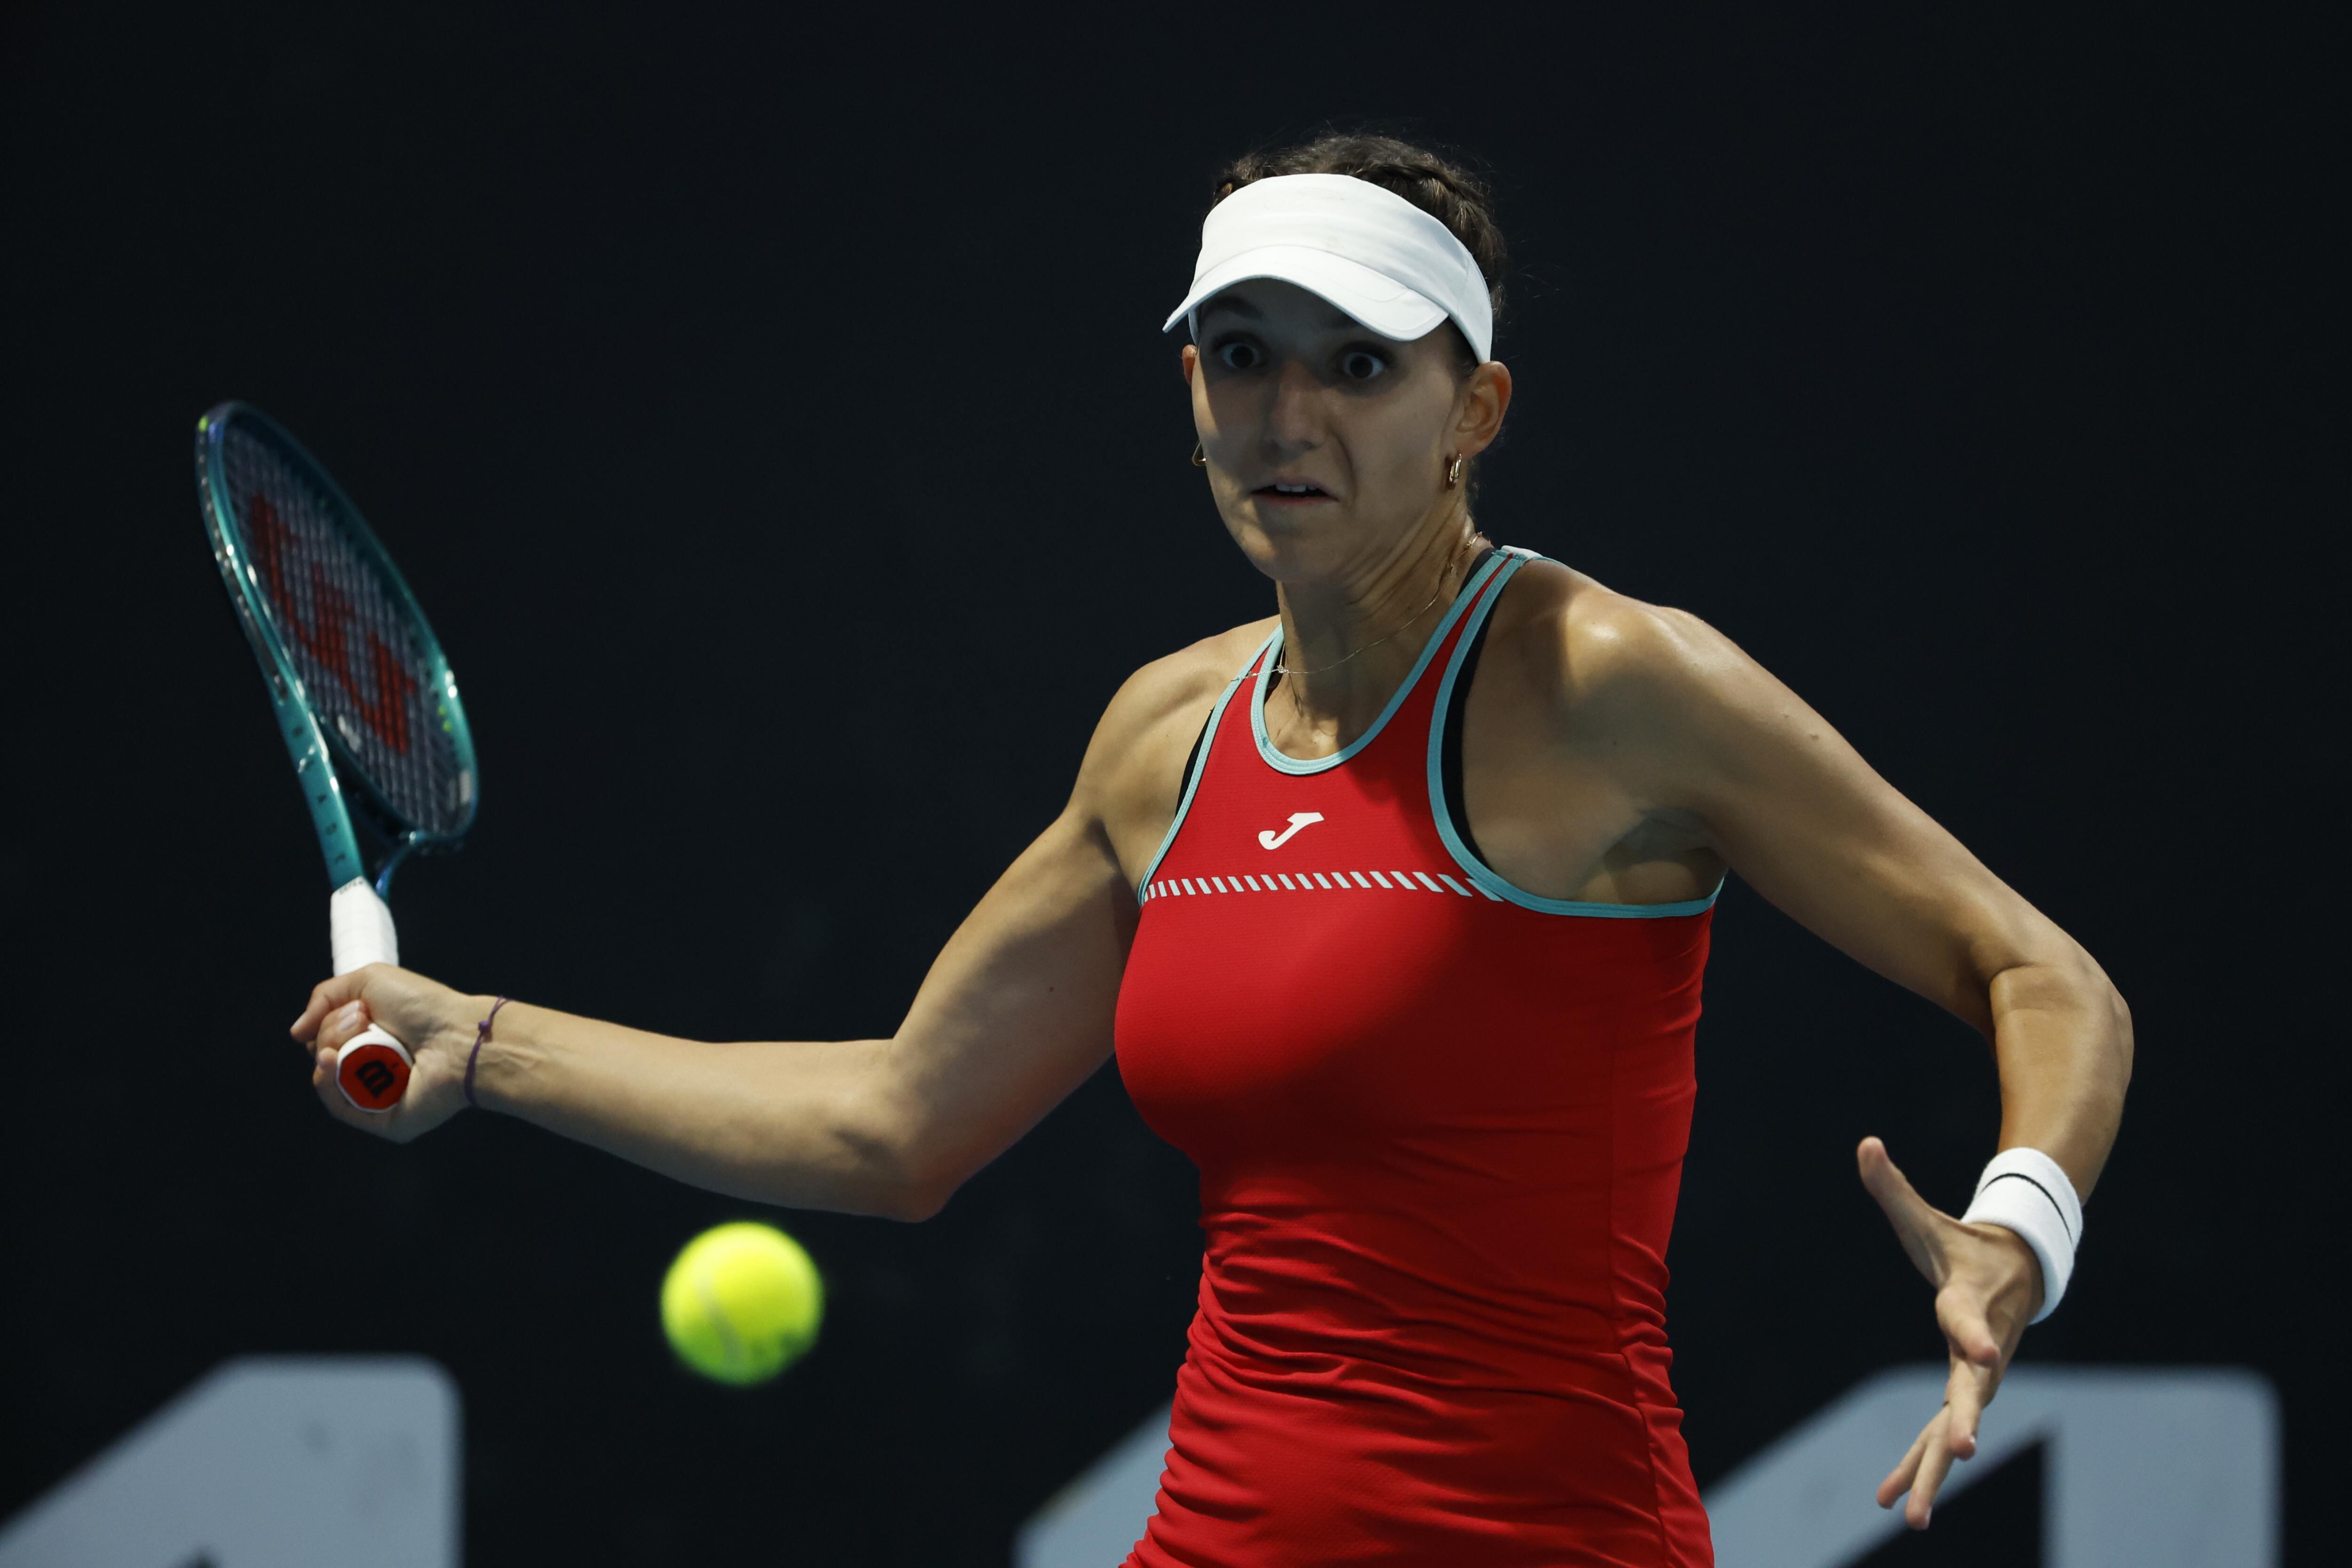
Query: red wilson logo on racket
pixel 373 1074
pixel 385 710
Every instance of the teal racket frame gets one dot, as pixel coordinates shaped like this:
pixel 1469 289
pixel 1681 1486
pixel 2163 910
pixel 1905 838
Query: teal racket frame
pixel 314 748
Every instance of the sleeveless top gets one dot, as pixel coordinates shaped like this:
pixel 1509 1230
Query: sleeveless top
pixel 1440 1125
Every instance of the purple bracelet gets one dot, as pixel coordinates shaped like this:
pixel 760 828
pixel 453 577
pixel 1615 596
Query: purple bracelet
pixel 481 1033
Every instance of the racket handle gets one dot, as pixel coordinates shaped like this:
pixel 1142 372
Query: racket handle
pixel 373 1067
pixel 363 928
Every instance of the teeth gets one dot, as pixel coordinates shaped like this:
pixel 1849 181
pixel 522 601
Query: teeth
pixel 1293 490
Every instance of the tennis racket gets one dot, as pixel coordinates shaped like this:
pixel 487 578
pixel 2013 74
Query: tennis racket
pixel 365 698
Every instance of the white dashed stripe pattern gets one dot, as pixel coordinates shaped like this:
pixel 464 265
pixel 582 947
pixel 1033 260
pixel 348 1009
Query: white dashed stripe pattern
pixel 1313 882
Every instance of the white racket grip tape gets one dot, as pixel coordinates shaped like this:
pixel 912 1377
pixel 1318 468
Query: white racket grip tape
pixel 362 924
pixel 373 1067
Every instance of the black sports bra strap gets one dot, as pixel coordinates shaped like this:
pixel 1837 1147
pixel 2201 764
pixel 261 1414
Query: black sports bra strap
pixel 1450 737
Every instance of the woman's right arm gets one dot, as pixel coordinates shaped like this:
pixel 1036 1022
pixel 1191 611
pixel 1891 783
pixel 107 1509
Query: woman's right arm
pixel 1015 1013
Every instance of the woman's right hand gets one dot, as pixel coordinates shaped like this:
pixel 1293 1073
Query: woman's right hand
pixel 436 1025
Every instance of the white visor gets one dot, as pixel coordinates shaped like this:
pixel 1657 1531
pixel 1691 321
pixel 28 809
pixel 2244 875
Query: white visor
pixel 1366 249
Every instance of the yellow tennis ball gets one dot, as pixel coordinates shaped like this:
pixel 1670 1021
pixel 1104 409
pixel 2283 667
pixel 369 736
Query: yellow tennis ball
pixel 741 1304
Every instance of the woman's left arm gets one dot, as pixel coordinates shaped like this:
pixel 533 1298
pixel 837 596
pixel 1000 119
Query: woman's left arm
pixel 1698 733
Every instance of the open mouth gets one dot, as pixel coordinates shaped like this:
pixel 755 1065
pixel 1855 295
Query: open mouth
pixel 1290 492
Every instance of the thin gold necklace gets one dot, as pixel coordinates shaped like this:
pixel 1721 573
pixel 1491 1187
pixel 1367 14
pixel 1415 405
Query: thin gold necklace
pixel 1325 668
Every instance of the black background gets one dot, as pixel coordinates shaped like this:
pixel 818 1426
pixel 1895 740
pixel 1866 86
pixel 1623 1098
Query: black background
pixel 769 409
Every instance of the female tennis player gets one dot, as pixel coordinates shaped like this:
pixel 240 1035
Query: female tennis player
pixel 1393 907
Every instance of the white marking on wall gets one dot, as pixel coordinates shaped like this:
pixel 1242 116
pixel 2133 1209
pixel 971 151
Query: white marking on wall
pixel 1092 1522
pixel 1452 884
pixel 1426 882
pixel 2146 1467
pixel 268 1462
pixel 1383 881
pixel 1360 878
pixel 1319 878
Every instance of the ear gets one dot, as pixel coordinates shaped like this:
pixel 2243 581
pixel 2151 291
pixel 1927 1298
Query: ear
pixel 1192 361
pixel 1484 398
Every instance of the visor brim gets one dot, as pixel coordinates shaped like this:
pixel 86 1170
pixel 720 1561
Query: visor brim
pixel 1379 301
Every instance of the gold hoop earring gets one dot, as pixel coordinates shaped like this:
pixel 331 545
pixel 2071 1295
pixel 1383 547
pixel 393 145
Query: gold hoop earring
pixel 1200 458
pixel 1453 471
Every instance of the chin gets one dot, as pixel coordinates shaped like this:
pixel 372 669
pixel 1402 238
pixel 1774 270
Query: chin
pixel 1292 544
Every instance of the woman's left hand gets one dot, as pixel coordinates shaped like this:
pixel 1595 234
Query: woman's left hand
pixel 1987 1288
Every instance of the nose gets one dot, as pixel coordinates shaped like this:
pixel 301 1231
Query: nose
pixel 1294 420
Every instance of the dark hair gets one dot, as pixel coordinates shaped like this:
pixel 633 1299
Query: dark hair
pixel 1444 189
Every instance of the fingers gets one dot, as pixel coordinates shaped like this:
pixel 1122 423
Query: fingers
pixel 1949 1438
pixel 1913 1219
pixel 1935 1461
pixel 1961 1313
pixel 1930 1236
pixel 329 1036
pixel 421 1014
pixel 1964 1402
pixel 1898 1480
pixel 337 1030
pixel 1921 1471
pixel 325 997
pixel 1901 1200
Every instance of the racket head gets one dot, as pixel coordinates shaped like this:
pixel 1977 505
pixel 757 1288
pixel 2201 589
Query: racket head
pixel 355 667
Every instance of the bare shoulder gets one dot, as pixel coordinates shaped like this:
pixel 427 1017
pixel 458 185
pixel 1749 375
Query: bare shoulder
pixel 1176 690
pixel 1134 765
pixel 1585 650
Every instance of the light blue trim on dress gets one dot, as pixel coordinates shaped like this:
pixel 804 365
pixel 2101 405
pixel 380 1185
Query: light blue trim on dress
pixel 1276 760
pixel 1208 744
pixel 1471 867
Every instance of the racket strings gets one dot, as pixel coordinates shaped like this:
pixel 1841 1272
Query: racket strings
pixel 350 635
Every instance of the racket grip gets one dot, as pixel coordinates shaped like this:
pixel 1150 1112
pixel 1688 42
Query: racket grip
pixel 373 1067
pixel 362 925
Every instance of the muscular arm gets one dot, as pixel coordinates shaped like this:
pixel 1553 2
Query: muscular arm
pixel 1698 732
pixel 1699 737
pixel 1015 1013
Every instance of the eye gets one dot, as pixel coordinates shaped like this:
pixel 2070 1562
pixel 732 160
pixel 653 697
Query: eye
pixel 1238 354
pixel 1361 364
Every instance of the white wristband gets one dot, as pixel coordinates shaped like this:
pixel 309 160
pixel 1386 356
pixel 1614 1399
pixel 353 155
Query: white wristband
pixel 2022 1190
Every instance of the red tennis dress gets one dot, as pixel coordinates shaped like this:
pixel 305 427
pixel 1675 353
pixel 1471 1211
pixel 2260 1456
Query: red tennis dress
pixel 1440 1124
